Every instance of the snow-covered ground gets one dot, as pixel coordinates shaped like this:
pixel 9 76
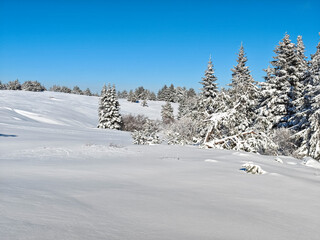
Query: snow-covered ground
pixel 62 178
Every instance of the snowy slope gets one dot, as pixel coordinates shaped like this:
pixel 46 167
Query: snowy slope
pixel 61 178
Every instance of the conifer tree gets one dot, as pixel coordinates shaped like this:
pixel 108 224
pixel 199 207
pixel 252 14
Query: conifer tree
pixel 87 92
pixel 209 90
pixel 167 113
pixel 14 85
pixel 310 133
pixel 2 86
pixel 109 109
pixel 282 86
pixel 244 95
pixel 300 89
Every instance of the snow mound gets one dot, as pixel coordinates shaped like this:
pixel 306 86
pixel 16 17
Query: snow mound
pixel 37 117
pixel 211 160
pixel 310 162
pixel 279 160
pixel 291 163
pixel 252 168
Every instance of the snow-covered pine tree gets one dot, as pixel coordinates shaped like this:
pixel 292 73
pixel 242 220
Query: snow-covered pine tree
pixel 77 90
pixel 162 93
pixel 209 90
pixel 152 96
pixel 14 85
pixel 87 92
pixel 300 88
pixel 109 109
pixel 171 94
pixel 167 113
pixel 310 134
pixel 282 86
pixel 191 93
pixel 33 86
pixel 244 95
pixel 140 93
pixel 131 96
pixel 2 86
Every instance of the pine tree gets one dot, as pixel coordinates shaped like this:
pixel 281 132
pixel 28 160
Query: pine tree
pixel 310 133
pixel 87 92
pixel 14 85
pixel 167 113
pixel 77 90
pixel 300 89
pixel 171 94
pixel 2 86
pixel 282 86
pixel 109 109
pixel 152 96
pixel 209 90
pixel 33 86
pixel 132 97
pixel 191 93
pixel 244 95
pixel 162 93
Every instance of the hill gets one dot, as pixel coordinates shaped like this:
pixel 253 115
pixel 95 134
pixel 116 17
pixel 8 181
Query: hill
pixel 62 178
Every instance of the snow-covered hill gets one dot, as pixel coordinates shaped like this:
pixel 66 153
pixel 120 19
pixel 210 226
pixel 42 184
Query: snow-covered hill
pixel 62 178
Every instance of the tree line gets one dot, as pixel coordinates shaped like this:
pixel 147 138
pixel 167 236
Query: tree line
pixel 278 116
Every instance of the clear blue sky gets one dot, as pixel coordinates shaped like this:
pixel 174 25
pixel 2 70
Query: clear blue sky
pixel 149 43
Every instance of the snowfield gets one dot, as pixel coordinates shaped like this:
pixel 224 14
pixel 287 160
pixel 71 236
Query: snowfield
pixel 62 178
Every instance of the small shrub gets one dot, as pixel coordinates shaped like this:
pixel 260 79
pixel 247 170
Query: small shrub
pixel 133 123
pixel 148 135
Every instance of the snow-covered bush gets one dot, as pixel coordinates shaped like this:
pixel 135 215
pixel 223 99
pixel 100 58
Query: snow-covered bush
pixel 246 141
pixel 285 141
pixel 148 135
pixel 252 168
pixel 33 86
pixel 14 85
pixel 182 131
pixel 133 123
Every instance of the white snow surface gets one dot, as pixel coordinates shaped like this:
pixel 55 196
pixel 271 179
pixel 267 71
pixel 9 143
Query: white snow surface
pixel 62 178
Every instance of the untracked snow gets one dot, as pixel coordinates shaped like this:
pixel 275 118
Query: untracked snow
pixel 62 178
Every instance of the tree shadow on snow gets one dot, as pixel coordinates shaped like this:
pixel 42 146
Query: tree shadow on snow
pixel 6 135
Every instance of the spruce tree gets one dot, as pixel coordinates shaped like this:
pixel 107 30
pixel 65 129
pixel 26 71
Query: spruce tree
pixel 167 113
pixel 310 133
pixel 282 86
pixel 2 86
pixel 109 109
pixel 209 90
pixel 244 95
pixel 300 88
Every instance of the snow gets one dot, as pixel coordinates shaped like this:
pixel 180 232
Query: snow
pixel 74 181
pixel 252 168
pixel 310 162
pixel 279 160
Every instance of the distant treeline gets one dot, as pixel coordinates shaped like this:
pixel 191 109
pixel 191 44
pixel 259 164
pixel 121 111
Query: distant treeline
pixel 168 94
pixel 35 86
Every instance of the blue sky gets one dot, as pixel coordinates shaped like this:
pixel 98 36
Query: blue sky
pixel 145 43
